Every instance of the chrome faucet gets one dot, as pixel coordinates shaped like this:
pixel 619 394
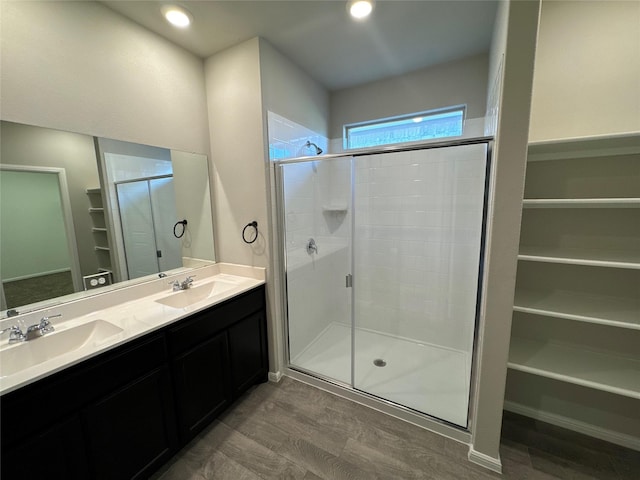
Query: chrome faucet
pixel 184 285
pixel 15 334
pixel 39 329
pixel 187 282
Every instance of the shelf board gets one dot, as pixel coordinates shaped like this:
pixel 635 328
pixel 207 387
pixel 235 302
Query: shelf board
pixel 104 270
pixel 581 203
pixel 581 256
pixel 603 310
pixel 570 364
pixel 96 210
pixel 583 147
pixel 98 229
pixel 103 249
pixel 93 191
pixel 338 208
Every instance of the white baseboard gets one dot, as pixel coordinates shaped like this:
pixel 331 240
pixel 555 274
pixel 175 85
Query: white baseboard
pixel 275 377
pixel 493 464
pixel 35 275
pixel 611 436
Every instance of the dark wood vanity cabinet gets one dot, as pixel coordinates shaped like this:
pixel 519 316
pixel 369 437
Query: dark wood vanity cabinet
pixel 64 457
pixel 218 354
pixel 124 413
pixel 248 352
pixel 131 432
pixel 201 381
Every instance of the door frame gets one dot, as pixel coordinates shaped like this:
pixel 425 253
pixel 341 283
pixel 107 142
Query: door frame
pixel 65 199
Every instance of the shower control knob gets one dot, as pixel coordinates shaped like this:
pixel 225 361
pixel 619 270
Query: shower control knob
pixel 311 246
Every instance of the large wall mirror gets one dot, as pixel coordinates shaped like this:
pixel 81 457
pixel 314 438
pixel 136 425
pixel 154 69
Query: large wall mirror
pixel 81 214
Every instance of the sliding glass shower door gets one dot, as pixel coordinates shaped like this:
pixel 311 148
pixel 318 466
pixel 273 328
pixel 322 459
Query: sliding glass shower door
pixel 383 254
pixel 417 244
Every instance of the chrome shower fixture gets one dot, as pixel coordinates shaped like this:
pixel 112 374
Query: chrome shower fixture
pixel 311 144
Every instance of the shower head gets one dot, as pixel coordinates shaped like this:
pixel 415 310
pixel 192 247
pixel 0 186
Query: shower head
pixel 311 144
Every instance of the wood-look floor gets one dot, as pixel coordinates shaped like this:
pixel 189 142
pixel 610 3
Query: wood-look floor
pixel 292 430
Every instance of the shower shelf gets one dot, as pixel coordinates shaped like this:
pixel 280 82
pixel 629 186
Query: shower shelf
pixel 338 208
pixel 604 310
pixel 609 373
pixel 96 210
pixel 581 203
pixel 104 249
pixel 581 256
pixel 99 229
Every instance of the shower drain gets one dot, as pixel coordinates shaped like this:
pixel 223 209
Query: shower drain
pixel 378 362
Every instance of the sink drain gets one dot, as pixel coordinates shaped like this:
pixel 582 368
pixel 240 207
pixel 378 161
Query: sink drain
pixel 378 362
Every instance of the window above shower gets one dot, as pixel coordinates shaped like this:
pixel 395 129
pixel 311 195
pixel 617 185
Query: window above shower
pixel 414 127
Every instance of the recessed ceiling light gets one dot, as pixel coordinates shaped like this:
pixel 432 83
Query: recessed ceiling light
pixel 360 9
pixel 177 16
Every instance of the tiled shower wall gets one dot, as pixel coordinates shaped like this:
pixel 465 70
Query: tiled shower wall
pixel 287 139
pixel 418 226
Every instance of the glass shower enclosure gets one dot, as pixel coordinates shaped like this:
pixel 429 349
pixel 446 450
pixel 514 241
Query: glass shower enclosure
pixel 383 254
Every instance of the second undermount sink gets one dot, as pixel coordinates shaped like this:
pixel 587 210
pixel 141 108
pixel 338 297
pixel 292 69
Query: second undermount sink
pixel 188 297
pixel 16 358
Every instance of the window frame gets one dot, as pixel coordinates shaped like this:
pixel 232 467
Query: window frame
pixel 401 120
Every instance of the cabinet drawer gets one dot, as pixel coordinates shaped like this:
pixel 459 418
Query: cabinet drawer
pixel 202 326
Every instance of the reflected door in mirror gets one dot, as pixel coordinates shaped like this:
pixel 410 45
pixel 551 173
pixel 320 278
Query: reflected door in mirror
pixel 147 215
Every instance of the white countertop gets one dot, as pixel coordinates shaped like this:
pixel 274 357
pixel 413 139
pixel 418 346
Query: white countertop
pixel 135 310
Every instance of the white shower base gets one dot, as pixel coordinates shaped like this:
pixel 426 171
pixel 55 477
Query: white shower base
pixel 428 378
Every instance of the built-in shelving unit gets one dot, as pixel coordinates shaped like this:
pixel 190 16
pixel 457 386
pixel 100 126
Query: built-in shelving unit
pixel 99 229
pixel 576 324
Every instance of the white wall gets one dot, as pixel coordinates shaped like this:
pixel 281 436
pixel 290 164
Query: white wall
pixel 587 70
pixel 234 99
pixel 80 67
pixel 505 209
pixel 290 92
pixel 459 82
pixel 193 202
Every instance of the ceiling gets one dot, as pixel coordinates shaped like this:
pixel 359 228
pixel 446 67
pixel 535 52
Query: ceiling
pixel 319 36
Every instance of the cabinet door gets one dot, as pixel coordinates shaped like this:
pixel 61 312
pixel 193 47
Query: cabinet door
pixel 248 352
pixel 131 432
pixel 201 385
pixel 57 452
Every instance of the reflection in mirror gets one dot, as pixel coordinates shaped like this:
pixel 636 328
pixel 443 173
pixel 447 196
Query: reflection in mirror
pixel 71 224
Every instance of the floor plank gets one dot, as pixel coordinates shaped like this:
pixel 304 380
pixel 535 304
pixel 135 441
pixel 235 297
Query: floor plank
pixel 292 430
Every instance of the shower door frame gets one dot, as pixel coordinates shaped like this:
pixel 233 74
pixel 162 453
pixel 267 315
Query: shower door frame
pixel 349 390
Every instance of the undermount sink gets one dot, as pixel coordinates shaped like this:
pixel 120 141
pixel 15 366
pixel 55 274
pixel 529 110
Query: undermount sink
pixel 16 358
pixel 188 297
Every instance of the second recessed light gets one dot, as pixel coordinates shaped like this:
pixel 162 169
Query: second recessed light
pixel 360 9
pixel 177 16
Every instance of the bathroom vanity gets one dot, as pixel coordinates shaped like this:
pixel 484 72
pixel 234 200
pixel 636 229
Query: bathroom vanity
pixel 124 412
